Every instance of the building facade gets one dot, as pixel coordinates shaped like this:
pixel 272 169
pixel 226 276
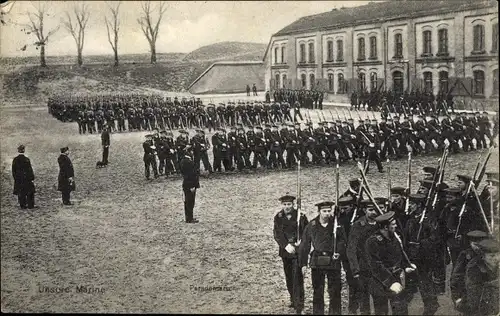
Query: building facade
pixel 434 46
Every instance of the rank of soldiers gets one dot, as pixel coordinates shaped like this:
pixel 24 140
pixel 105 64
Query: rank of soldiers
pixel 395 246
pixel 330 142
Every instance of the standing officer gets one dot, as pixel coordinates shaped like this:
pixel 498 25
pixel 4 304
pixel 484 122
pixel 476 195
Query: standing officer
pixel 328 241
pixel 24 176
pixel 190 183
pixel 287 235
pixel 385 260
pixel 105 141
pixel 66 183
pixel 149 157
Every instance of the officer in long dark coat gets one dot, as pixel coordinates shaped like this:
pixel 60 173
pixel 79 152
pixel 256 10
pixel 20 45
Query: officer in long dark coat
pixel 105 142
pixel 387 267
pixel 190 183
pixel 24 176
pixel 328 242
pixel 287 235
pixel 66 183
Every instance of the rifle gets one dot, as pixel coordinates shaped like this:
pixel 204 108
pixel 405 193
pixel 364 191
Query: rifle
pixel 490 231
pixel 408 184
pixel 335 213
pixel 331 114
pixel 361 186
pixel 323 114
pixel 477 180
pixel 367 188
pixel 299 200
pixel 389 178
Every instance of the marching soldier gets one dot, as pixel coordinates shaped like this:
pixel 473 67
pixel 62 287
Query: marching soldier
pixel 387 267
pixel 287 235
pixel 328 241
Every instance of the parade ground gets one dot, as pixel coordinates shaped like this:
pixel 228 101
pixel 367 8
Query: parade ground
pixel 124 246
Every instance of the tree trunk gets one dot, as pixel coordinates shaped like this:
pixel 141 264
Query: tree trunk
pixel 153 54
pixel 42 56
pixel 116 57
pixel 80 58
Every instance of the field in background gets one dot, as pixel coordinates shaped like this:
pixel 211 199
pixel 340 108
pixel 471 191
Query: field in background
pixel 127 235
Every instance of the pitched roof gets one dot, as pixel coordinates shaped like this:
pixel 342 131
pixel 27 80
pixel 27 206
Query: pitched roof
pixel 379 12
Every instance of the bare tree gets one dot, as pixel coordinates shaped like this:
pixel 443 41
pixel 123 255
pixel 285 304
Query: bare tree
pixel 36 27
pixel 113 23
pixel 77 27
pixel 149 28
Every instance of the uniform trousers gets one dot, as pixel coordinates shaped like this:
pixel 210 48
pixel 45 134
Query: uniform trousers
pixel 189 201
pixel 294 282
pixel 334 288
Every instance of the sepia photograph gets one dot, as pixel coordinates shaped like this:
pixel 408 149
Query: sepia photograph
pixel 250 157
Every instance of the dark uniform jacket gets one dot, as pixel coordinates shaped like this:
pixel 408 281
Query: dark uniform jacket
pixel 285 231
pixel 361 230
pixel 105 138
pixel 23 175
pixel 190 174
pixel 65 172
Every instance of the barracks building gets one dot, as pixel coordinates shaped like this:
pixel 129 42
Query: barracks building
pixel 449 46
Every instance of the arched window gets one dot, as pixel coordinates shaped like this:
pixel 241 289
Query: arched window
pixel 311 53
pixel 397 82
pixel 361 48
pixel 443 41
pixel 329 51
pixel 373 81
pixel 276 55
pixel 361 81
pixel 283 55
pixel 494 39
pixel 495 81
pixel 478 82
pixel 478 38
pixel 373 47
pixel 340 50
pixel 312 81
pixel 398 45
pixel 303 79
pixel 277 83
pixel 427 40
pixel 340 84
pixel 443 82
pixel 428 81
pixel 330 82
pixel 302 53
pixel 284 80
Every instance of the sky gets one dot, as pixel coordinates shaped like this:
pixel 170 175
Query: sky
pixel 186 25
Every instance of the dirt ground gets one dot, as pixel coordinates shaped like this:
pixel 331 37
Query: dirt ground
pixel 126 236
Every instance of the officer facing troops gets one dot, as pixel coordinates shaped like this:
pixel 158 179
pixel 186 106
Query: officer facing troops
pixel 66 182
pixel 387 267
pixel 328 240
pixel 287 231
pixel 23 175
pixel 190 184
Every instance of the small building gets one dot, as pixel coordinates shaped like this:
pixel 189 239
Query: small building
pixel 229 77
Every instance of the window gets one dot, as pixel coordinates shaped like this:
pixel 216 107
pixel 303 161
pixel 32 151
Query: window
pixel 276 55
pixel 373 47
pixel 361 48
pixel 312 81
pixel 373 81
pixel 398 45
pixel 495 81
pixel 277 83
pixel 443 82
pixel 329 52
pixel 428 81
pixel 361 81
pixel 284 81
pixel 330 82
pixel 427 40
pixel 478 38
pixel 303 79
pixel 340 50
pixel 443 42
pixel 283 54
pixel 302 53
pixel 397 82
pixel 478 82
pixel 311 53
pixel 494 40
pixel 340 83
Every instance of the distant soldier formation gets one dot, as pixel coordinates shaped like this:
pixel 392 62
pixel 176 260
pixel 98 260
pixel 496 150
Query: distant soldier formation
pixel 392 247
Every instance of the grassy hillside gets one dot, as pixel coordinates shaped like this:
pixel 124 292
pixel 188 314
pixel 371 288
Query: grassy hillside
pixel 228 50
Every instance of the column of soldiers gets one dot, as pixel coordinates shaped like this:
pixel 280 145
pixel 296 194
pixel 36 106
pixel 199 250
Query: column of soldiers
pixel 414 102
pixel 309 99
pixel 394 247
pixel 275 146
